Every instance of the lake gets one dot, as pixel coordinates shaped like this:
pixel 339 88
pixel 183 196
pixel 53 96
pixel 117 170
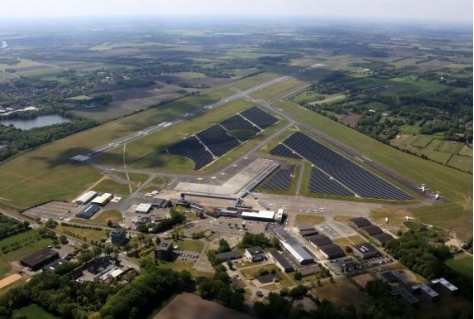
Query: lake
pixel 43 120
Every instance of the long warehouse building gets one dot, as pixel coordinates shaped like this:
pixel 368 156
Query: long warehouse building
pixel 85 198
pixel 298 252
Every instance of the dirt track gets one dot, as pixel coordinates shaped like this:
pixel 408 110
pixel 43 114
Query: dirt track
pixel 9 280
pixel 189 306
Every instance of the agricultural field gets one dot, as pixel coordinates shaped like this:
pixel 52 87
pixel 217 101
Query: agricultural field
pixel 279 90
pixel 463 163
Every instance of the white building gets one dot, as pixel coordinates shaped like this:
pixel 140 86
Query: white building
pixel 263 215
pixel 143 208
pixel 85 198
pixel 103 199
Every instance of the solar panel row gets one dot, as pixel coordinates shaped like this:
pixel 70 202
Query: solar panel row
pixel 281 180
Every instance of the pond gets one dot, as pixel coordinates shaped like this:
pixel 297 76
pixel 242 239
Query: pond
pixel 43 120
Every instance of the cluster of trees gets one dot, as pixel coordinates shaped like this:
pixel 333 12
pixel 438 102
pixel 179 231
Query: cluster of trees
pixel 218 288
pixel 421 251
pixel 59 295
pixel 211 253
pixel 18 140
pixel 176 217
pixel 140 297
pixel 250 239
pixel 10 226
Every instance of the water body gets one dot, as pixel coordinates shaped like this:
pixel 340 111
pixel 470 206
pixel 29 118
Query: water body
pixel 43 120
pixel 4 45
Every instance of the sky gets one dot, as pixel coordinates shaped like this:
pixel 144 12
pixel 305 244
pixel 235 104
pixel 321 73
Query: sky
pixel 416 10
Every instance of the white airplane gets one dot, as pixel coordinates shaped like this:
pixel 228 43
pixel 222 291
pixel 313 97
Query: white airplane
pixel 437 196
pixel 423 188
pixel 407 218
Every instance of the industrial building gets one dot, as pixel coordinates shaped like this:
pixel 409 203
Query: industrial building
pixel 164 251
pixel 103 199
pixel 319 240
pixel 280 261
pixel 359 222
pixel 255 253
pixel 426 292
pixel 309 232
pixel 88 211
pixel 85 198
pixel 407 296
pixel 143 208
pixel 39 258
pixel 52 266
pixel 281 234
pixel 331 251
pixel 118 236
pixel 263 215
pixel 302 256
pixel 279 215
pixel 365 251
pixel 371 230
pixel 445 286
pixel 390 277
pixel 382 238
pixel 229 255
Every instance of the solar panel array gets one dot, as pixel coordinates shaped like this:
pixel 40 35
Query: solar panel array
pixel 259 117
pixel 353 177
pixel 213 142
pixel 193 149
pixel 283 151
pixel 281 180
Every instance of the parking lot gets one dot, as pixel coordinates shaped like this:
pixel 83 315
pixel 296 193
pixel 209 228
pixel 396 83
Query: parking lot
pixel 53 210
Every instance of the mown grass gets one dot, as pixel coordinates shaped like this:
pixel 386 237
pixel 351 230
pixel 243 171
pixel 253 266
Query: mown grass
pixel 191 245
pixel 35 312
pixel 436 156
pixel 462 162
pixel 466 151
pixel 102 218
pixel 279 90
pixel 88 234
pixel 450 217
pixel 113 187
pixel 310 219
pixel 462 264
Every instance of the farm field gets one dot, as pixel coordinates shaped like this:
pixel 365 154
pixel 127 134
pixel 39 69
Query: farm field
pixel 30 242
pixel 190 306
pixel 462 162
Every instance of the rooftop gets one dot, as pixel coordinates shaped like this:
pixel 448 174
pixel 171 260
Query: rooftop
pixel 255 250
pixel 371 229
pixel 360 221
pixel 365 248
pixel 305 226
pixel 319 240
pixel 39 256
pixel 445 283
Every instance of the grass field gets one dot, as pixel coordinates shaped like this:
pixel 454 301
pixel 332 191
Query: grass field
pixel 341 293
pixel 31 242
pixel 113 187
pixel 436 156
pixel 102 218
pixel 310 219
pixel 89 234
pixel 462 264
pixel 462 162
pixel 279 90
pixel 35 312
pixel 466 151
pixel 191 245
pixel 421 141
pixel 445 146
pixel 450 216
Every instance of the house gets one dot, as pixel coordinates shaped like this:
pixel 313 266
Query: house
pixel 237 285
pixel 118 236
pixel 164 251
pixel 445 286
pixel 426 292
pixel 255 253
